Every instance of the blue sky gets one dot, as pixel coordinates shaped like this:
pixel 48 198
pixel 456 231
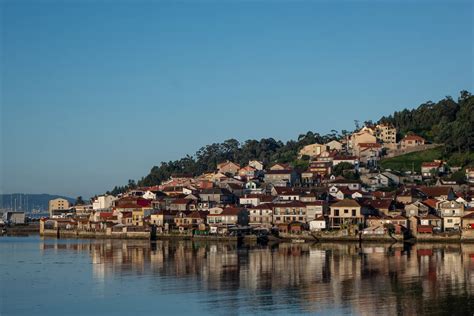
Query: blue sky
pixel 97 92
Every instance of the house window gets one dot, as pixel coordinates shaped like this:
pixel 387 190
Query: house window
pixel 346 211
pixel 450 220
pixel 336 212
pixel 354 213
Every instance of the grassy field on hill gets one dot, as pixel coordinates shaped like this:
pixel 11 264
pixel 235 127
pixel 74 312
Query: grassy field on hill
pixel 412 160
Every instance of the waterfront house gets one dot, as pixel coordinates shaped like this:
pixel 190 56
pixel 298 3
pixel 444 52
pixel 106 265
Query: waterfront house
pixel 189 220
pixel 345 212
pixel 261 215
pixel 58 206
pixel 451 212
pixel 382 206
pixel 160 218
pixel 294 211
pixel 431 220
pixel 468 220
pixel 416 209
pixel 13 217
pixel 318 223
pixel 229 216
pixel 315 209
pixel 125 218
pixel 138 215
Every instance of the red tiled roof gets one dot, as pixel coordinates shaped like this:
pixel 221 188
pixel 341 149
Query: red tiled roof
pixel 291 204
pixel 380 204
pixel 430 202
pixel 435 191
pixel 231 211
pixel 345 158
pixel 279 171
pixel 181 201
pixel 469 216
pixel 346 202
pixel 413 137
pixel 432 164
pixel 264 206
pixel 370 145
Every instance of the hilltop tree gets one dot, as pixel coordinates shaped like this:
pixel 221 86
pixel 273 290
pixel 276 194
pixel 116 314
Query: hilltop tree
pixel 79 201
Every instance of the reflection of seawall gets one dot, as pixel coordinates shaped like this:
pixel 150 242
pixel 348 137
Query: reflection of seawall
pixel 109 234
pixel 364 279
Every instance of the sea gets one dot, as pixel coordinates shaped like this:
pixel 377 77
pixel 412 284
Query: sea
pixel 41 276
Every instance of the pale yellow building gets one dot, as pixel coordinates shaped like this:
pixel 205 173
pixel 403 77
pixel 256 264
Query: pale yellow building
pixel 57 204
pixel 386 133
pixel 312 150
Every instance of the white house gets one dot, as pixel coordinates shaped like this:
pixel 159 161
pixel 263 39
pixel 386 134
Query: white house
pixel 103 202
pixel 336 192
pixel 317 224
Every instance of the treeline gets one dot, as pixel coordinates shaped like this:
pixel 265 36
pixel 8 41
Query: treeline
pixel 267 150
pixel 448 122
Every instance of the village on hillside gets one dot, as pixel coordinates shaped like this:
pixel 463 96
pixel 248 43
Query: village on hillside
pixel 342 194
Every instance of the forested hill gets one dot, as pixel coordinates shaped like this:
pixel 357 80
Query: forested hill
pixel 448 121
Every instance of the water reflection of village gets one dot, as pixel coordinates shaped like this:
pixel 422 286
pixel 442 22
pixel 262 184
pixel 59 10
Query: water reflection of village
pixel 366 280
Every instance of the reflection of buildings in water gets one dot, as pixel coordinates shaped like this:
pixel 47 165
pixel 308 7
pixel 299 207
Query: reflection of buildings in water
pixel 366 279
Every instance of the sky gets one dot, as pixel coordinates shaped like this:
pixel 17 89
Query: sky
pixel 94 93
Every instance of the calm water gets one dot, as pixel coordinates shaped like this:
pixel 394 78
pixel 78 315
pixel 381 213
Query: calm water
pixel 88 277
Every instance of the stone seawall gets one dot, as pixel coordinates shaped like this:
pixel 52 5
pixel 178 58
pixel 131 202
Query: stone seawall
pixel 95 234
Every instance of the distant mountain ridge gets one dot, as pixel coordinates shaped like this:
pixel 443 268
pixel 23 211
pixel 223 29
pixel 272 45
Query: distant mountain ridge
pixel 28 202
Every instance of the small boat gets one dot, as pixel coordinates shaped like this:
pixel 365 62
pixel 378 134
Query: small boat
pixel 298 241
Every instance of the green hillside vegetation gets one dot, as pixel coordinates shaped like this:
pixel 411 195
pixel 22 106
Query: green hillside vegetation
pixel 446 122
pixel 412 161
